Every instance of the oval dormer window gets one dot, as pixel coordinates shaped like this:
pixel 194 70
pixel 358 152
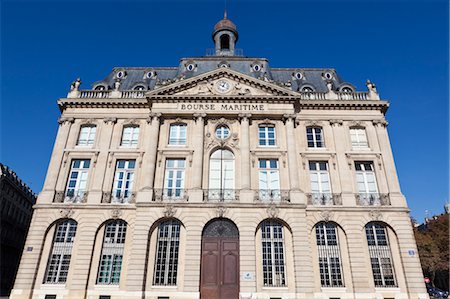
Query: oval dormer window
pixel 121 74
pixel 328 76
pixel 257 68
pixel 100 87
pixel 346 89
pixel 307 89
pixel 150 75
pixel 190 67
pixel 298 75
pixel 139 87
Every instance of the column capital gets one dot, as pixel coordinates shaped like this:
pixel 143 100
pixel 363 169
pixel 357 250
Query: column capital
pixel 153 116
pixel 380 122
pixel 66 120
pixel 336 122
pixel 244 116
pixel 110 120
pixel 197 116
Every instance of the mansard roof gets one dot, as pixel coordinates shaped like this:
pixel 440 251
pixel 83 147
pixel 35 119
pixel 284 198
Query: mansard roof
pixel 285 77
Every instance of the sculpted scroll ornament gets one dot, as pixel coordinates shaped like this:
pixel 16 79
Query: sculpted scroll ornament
pixel 116 213
pixel 326 216
pixel 169 211
pixel 375 215
pixel 66 213
pixel 272 211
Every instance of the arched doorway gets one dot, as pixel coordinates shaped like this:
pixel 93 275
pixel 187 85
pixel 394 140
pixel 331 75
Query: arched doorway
pixel 220 260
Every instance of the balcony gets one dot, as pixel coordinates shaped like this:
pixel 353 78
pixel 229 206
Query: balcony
pixel 170 195
pixel 71 196
pixel 373 199
pixel 324 199
pixel 122 198
pixel 275 195
pixel 219 195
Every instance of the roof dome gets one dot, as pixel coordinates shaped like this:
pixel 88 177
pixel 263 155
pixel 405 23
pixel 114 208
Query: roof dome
pixel 225 24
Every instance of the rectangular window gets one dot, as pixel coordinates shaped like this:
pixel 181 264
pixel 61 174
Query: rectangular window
pixel 358 138
pixel 177 134
pixel 273 254
pixel 320 183
pixel 76 185
pixel 50 296
pixel 123 181
pixel 130 136
pixel 87 135
pixel 366 183
pixel 266 135
pixel 174 178
pixel 166 259
pixel 329 255
pixel 269 180
pixel 314 135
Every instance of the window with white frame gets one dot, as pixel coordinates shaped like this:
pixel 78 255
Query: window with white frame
pixel 221 175
pixel 177 134
pixel 76 184
pixel 380 255
pixel 273 256
pixel 366 183
pixel 314 136
pixel 174 178
pixel 358 138
pixel 130 136
pixel 222 132
pixel 269 179
pixel 329 253
pixel 87 135
pixel 266 134
pixel 61 252
pixel 111 256
pixel 123 180
pixel 320 182
pixel 167 247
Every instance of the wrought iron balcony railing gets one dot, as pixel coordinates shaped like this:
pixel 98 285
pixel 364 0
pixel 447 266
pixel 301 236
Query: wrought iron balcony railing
pixel 324 199
pixel 219 195
pixel 122 198
pixel 269 195
pixel 170 195
pixel 372 199
pixel 71 196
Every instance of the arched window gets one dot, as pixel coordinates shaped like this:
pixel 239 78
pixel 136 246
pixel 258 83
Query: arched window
pixel 380 255
pixel 225 42
pixel 166 259
pixel 87 135
pixel 221 175
pixel 273 255
pixel 61 252
pixel 330 264
pixel 112 252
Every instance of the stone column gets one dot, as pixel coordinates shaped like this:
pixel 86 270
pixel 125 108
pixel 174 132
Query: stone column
pixel 196 194
pixel 104 144
pixel 151 140
pixel 245 195
pixel 295 193
pixel 48 192
pixel 396 197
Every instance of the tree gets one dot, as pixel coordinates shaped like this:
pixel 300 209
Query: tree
pixel 432 239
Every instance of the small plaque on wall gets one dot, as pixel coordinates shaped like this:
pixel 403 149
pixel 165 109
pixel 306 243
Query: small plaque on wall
pixel 248 276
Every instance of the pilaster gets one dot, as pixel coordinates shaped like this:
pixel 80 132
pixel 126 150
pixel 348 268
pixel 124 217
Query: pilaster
pixel 295 193
pixel 196 193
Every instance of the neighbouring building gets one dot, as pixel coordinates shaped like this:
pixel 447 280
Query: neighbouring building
pixel 16 201
pixel 221 178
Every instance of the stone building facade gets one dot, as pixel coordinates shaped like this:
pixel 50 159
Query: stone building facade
pixel 16 201
pixel 221 178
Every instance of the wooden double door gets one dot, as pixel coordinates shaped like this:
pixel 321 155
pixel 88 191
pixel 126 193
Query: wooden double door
pixel 219 267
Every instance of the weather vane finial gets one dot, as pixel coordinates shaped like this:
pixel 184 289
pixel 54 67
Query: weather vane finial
pixel 225 14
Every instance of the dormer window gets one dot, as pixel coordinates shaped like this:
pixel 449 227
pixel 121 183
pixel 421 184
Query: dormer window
pixel 346 89
pixel 139 87
pixel 225 42
pixel 100 87
pixel 307 89
pixel 190 67
pixel 257 68
pixel 121 74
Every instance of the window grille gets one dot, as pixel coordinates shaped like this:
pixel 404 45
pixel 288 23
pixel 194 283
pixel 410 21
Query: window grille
pixel 76 184
pixel 269 180
pixel 358 138
pixel 329 255
pixel 177 134
pixel 166 259
pixel 266 135
pixel 273 254
pixel 130 136
pixel 380 255
pixel 123 180
pixel 174 178
pixel 320 183
pixel 314 135
pixel 59 259
pixel 111 256
pixel 87 135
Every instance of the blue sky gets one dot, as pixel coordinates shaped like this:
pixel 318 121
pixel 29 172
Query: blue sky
pixel 400 45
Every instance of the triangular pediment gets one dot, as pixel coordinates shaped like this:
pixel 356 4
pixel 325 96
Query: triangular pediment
pixel 221 82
